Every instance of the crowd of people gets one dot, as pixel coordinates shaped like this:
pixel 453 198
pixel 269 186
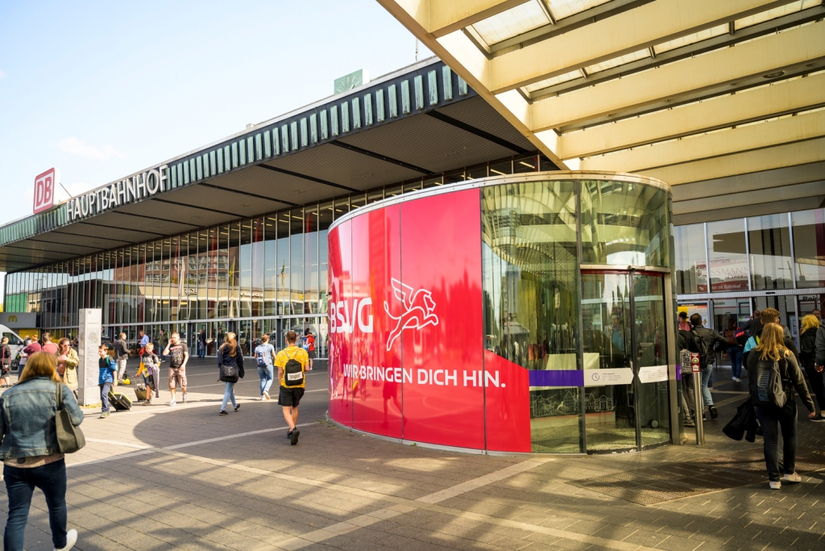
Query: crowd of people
pixel 776 370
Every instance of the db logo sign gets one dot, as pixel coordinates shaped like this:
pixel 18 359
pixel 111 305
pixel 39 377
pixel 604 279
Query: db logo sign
pixel 44 190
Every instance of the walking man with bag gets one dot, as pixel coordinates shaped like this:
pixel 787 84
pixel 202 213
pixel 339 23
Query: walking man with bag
pixel 230 364
pixel 291 363
pixel 705 342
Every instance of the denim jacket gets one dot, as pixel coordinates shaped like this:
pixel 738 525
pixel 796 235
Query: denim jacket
pixel 27 413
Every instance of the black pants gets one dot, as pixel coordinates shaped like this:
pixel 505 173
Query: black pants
pixel 772 419
pixel 817 384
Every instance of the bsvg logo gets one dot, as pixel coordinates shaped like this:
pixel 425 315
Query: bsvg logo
pixel 418 310
pixel 44 190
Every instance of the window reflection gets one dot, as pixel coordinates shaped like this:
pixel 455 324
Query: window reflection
pixel 809 246
pixel 770 247
pixel 728 258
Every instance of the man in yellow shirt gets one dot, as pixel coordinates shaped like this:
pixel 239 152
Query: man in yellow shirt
pixel 291 363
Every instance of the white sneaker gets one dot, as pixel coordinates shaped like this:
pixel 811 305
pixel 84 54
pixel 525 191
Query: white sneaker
pixel 775 485
pixel 71 539
pixel 184 397
pixel 266 395
pixel 172 402
pixel 794 477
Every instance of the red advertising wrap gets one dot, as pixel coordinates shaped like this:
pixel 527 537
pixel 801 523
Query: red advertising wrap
pixel 406 332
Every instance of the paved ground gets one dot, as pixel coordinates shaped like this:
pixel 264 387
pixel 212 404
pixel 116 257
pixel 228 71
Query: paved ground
pixel 164 477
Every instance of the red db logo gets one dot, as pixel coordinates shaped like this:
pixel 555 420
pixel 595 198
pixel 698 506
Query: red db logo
pixel 44 190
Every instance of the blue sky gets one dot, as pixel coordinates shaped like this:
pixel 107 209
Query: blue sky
pixel 101 89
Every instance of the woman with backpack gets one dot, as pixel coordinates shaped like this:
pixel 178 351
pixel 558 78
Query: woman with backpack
pixel 5 362
pixel 807 356
pixel 773 374
pixel 230 364
pixel 264 357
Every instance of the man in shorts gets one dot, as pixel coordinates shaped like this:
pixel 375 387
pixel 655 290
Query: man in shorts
pixel 178 355
pixel 290 396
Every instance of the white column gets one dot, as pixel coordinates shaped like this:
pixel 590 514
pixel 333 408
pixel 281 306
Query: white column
pixel 88 340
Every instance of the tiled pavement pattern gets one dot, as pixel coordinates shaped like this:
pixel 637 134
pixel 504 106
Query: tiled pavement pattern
pixel 183 477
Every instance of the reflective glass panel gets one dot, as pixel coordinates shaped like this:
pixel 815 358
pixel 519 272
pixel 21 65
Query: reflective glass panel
pixel 770 248
pixel 809 247
pixel 689 255
pixel 728 258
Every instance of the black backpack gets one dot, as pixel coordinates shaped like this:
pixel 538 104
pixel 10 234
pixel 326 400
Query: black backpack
pixel 293 372
pixel 768 390
pixel 700 345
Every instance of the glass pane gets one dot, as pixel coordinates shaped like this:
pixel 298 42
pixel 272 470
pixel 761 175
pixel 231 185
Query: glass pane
pixel 809 248
pixel 651 354
pixel 624 223
pixel 530 299
pixel 728 258
pixel 689 256
pixel 770 247
pixel 296 261
pixel 610 419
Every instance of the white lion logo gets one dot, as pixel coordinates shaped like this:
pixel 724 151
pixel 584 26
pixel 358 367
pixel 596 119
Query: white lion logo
pixel 419 308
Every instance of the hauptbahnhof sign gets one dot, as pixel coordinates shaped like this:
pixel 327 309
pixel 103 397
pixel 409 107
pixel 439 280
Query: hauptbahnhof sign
pixel 129 190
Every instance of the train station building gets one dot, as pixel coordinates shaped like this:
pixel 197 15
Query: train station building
pixel 717 108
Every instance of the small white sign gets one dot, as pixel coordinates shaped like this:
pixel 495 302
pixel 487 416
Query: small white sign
pixel 653 374
pixel 608 377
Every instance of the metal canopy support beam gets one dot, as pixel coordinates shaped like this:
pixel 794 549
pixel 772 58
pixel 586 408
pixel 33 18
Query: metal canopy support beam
pixel 782 51
pixel 811 151
pixel 743 138
pixel 446 17
pixel 769 101
pixel 645 26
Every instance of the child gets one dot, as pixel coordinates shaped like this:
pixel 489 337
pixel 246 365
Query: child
pixel 151 372
pixel 106 377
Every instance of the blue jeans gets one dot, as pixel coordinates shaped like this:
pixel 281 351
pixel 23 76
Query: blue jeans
pixel 104 395
pixel 228 394
pixel 266 374
pixel 706 373
pixel 785 418
pixel 20 485
pixel 735 354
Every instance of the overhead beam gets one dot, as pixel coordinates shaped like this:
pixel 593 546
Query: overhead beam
pixel 627 32
pixel 811 151
pixel 446 17
pixel 747 210
pixel 744 138
pixel 761 103
pixel 742 183
pixel 782 51
pixel 732 200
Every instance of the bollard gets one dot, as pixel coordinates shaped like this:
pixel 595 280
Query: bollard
pixel 696 371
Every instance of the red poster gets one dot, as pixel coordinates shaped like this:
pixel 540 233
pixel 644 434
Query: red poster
pixel 340 268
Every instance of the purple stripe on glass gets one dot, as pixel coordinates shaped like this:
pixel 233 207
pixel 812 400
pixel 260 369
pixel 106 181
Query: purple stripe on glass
pixel 678 372
pixel 560 377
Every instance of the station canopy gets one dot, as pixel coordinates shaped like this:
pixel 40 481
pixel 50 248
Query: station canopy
pixel 420 122
pixel 722 100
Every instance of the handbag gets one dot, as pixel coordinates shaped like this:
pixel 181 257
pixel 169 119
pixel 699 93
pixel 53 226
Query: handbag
pixel 69 437
pixel 229 373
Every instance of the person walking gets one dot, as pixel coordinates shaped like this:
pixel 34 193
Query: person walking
pixel 107 369
pixel 5 363
pixel 734 350
pixel 230 355
pixel 178 354
pixel 30 452
pixel 684 325
pixel 67 362
pixel 807 356
pixel 151 372
pixel 121 357
pixel 265 359
pixel 47 345
pixel 163 340
pixel 289 395
pixel 309 346
pixel 772 349
pixel 202 344
pixel 705 342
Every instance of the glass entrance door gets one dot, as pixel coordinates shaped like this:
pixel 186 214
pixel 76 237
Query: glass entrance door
pixel 626 373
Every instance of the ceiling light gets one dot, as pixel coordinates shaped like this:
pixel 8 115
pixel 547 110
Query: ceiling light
pixel 775 74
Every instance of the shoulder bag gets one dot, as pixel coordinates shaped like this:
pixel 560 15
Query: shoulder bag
pixel 69 437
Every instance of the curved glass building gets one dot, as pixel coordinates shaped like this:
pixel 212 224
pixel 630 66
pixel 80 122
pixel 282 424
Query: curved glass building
pixel 523 313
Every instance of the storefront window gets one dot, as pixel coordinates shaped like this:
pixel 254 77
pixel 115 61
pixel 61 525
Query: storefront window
pixel 624 223
pixel 770 248
pixel 809 248
pixel 728 258
pixel 689 252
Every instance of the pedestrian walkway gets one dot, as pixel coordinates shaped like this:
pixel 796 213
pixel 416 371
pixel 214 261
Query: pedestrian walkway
pixel 183 477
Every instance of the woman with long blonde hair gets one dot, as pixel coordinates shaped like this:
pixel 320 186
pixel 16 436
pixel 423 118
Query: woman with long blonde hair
pixel 807 357
pixel 230 360
pixel 772 349
pixel 30 451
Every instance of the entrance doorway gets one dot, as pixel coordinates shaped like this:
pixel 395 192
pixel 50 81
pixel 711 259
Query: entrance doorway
pixel 625 360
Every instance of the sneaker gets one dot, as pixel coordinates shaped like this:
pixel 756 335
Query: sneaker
pixel 184 397
pixel 713 413
pixel 775 485
pixel 71 539
pixel 690 423
pixel 266 395
pixel 289 435
pixel 172 402
pixel 224 412
pixel 294 438
pixel 237 407
pixel 104 414
pixel 818 418
pixel 793 477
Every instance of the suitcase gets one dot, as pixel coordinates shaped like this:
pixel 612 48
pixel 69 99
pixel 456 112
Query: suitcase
pixel 142 393
pixel 119 401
